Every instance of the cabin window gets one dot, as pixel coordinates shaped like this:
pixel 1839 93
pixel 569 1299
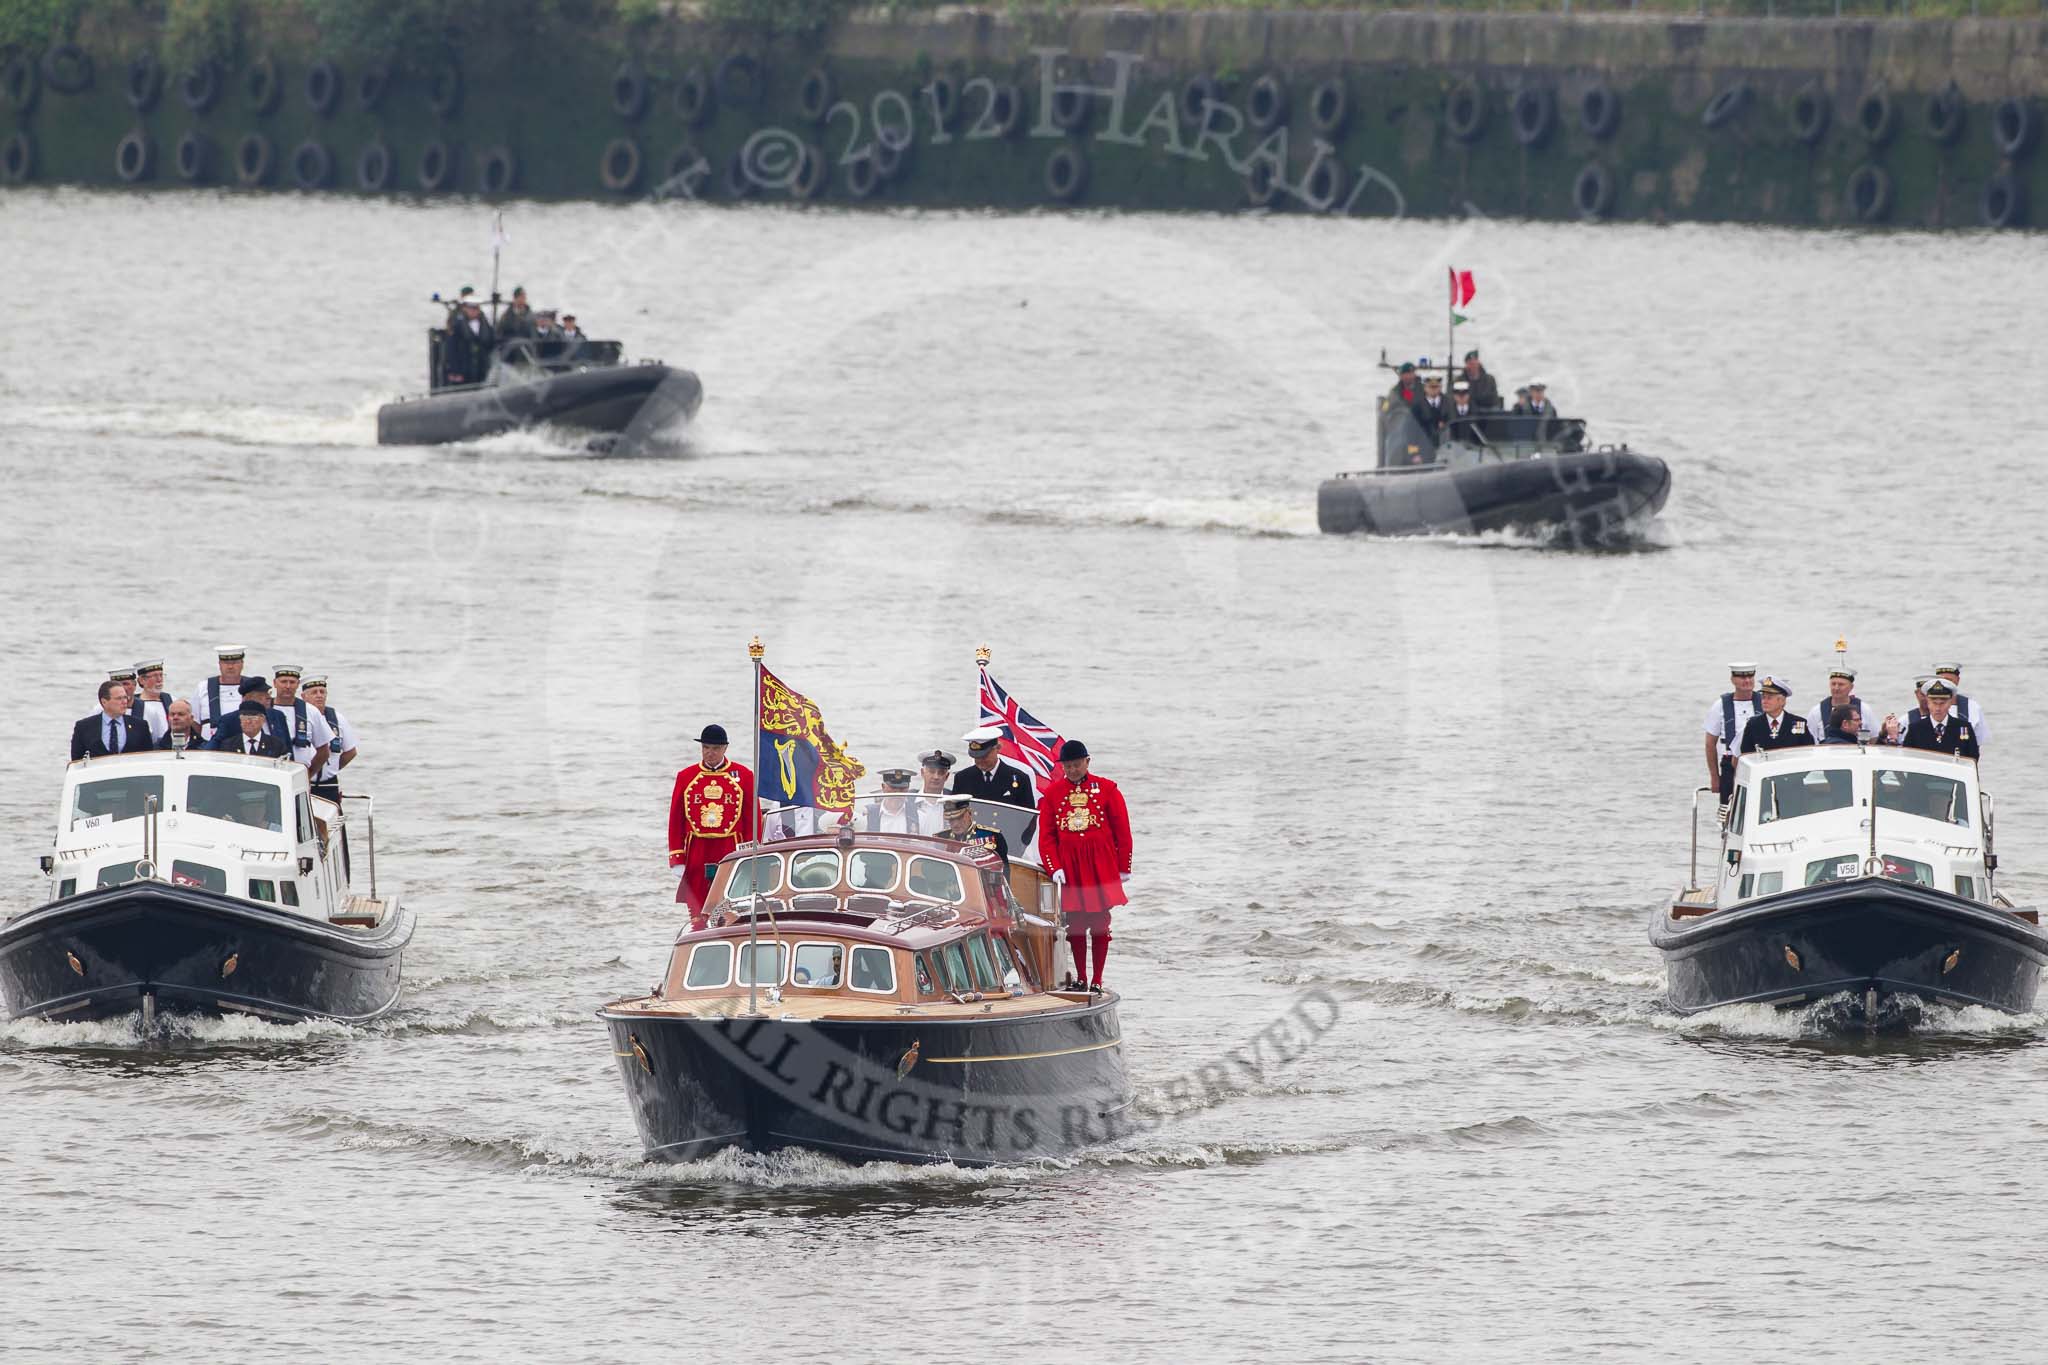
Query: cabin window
pixel 305 812
pixel 760 964
pixel 953 969
pixel 1833 870
pixel 1906 870
pixel 762 873
pixel 1787 796
pixel 115 798
pixel 69 887
pixel 1013 975
pixel 1760 884
pixel 117 874
pixel 924 973
pixel 874 969
pixel 817 966
pixel 199 875
pixel 710 966
pixel 1925 795
pixel 986 978
pixel 259 805
pixel 261 890
pixel 1966 887
pixel 932 879
pixel 1735 815
pixel 291 892
pixel 871 871
pixel 817 870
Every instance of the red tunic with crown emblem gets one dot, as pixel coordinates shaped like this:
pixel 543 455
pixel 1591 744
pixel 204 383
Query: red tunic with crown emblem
pixel 710 814
pixel 1084 831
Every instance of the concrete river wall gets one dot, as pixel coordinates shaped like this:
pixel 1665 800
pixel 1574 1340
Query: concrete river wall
pixel 1911 123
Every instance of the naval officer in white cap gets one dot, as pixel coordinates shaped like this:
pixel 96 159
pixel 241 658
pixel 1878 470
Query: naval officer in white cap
pixel 1966 706
pixel 221 694
pixel 1724 725
pixel 990 776
pixel 1771 727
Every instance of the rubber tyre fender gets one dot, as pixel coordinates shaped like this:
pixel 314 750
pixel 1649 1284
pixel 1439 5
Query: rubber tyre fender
pixel 1599 112
pixel 497 170
pixel 813 176
pixel 323 87
pixel 1324 187
pixel 1069 109
pixel 862 177
pixel 1727 102
pixel 373 168
pixel 312 165
pixel 1593 192
pixel 1534 115
pixel 1329 108
pixel 193 157
pixel 693 98
pixel 892 159
pixel 1465 111
pixel 444 90
pixel 1066 174
pixel 738 81
pixel 143 83
pixel 261 88
pixel 372 84
pixel 1261 184
pixel 1945 116
pixel 1006 110
pixel 1196 97
pixel 199 87
pixel 943 102
pixel 2004 202
pixel 255 160
pixel 437 168
pixel 629 92
pixel 67 69
pixel 17 159
pixel 134 157
pixel 1811 113
pixel 1877 118
pixel 1265 104
pixel 618 167
pixel 1869 193
pixel 814 97
pixel 19 83
pixel 2013 127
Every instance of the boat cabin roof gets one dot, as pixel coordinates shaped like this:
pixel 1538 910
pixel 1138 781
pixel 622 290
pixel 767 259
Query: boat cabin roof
pixel 1856 758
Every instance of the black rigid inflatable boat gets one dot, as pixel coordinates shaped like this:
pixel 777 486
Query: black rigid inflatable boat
pixel 585 386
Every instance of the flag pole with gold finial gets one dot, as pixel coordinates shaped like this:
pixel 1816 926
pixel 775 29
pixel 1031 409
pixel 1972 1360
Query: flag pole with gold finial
pixel 755 651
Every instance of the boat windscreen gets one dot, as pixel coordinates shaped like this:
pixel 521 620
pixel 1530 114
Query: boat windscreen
pixel 1928 795
pixel 1787 796
pixel 108 799
pixel 259 805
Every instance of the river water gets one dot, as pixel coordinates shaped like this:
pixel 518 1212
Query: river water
pixel 1425 791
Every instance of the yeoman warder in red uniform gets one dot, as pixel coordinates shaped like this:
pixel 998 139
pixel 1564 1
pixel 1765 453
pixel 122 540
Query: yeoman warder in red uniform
pixel 711 813
pixel 1084 840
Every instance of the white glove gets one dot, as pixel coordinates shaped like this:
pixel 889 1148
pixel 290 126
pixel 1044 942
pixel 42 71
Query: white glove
pixel 1123 876
pixel 1059 879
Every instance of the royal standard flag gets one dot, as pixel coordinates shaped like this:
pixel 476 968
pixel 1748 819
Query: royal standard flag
pixel 799 764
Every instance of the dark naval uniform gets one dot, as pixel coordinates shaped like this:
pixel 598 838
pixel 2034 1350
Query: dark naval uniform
pixel 1790 731
pixel 1952 736
pixel 981 836
pixel 1006 782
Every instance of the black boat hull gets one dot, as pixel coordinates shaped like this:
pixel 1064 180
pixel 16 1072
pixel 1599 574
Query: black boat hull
pixel 613 398
pixel 975 1092
pixel 1594 497
pixel 1857 937
pixel 151 946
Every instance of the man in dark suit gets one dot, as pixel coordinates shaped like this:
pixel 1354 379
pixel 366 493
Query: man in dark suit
pixel 1433 409
pixel 110 730
pixel 1940 729
pixel 253 736
pixel 1771 728
pixel 1538 403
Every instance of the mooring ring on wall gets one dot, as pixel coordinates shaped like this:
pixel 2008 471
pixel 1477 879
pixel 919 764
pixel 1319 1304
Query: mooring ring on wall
pixel 18 159
pixel 1593 191
pixel 2004 203
pixel 2013 127
pixel 1196 97
pixel 1465 111
pixel 1261 183
pixel 1946 114
pixel 134 157
pixel 1066 173
pixel 1265 104
pixel 255 158
pixel 199 87
pixel 1869 192
pixel 1005 114
pixel 497 170
pixel 1069 109
pixel 1599 112
pixel 942 99
pixel 194 157
pixel 619 166
pixel 261 89
pixel 1811 111
pixel 1727 102
pixel 437 167
pixel 144 82
pixel 323 87
pixel 312 165
pixel 693 98
pixel 444 90
pixel 372 83
pixel 1877 118
pixel 1329 107
pixel 738 81
pixel 19 83
pixel 373 168
pixel 68 69
pixel 813 174
pixel 1325 184
pixel 1534 114
pixel 629 92
pixel 814 97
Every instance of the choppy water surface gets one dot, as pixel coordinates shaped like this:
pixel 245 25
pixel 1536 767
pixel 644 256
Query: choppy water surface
pixel 1440 782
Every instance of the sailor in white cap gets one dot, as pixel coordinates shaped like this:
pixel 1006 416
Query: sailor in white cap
pixel 1841 696
pixel 150 701
pixel 221 694
pixel 934 766
pixel 991 777
pixel 1723 726
pixel 1965 705
pixel 893 813
pixel 310 732
pixel 341 748
pixel 1771 728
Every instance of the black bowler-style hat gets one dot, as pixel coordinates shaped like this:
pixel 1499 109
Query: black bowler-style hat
pixel 254 708
pixel 713 734
pixel 259 683
pixel 1072 750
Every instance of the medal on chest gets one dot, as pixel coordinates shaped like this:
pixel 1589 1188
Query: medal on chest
pixel 1080 813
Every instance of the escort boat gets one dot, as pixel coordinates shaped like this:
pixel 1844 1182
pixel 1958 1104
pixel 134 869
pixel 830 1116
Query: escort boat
pixel 200 882
pixel 580 385
pixel 1496 471
pixel 1864 871
pixel 874 996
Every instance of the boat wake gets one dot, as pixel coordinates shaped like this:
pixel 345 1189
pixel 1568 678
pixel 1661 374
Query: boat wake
pixel 175 1030
pixel 1841 1015
pixel 225 423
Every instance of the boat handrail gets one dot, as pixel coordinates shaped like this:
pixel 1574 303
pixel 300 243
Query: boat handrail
pixel 1692 876
pixel 1017 824
pixel 369 834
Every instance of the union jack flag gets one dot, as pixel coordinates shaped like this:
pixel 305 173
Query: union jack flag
pixel 1025 740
